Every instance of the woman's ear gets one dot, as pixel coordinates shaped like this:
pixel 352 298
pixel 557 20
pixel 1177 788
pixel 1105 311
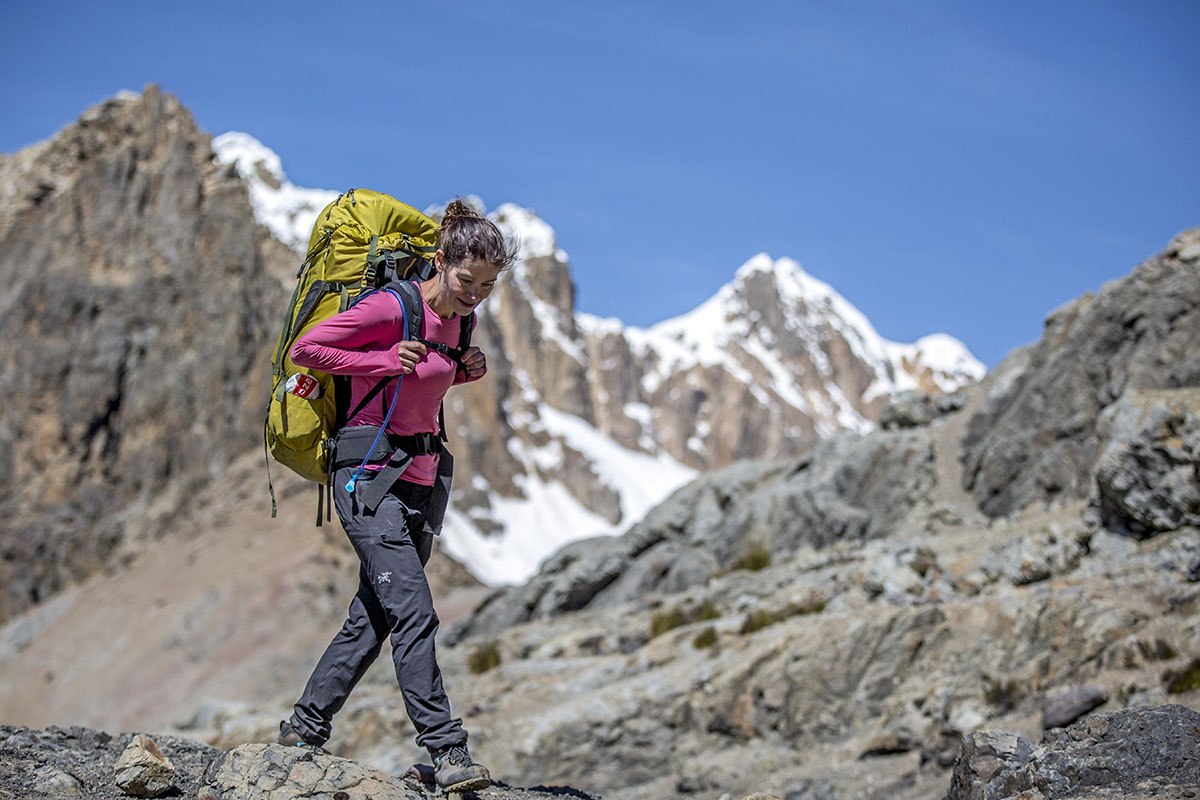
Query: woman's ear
pixel 439 258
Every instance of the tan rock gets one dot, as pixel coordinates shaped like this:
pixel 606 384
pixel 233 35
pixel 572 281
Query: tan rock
pixel 143 770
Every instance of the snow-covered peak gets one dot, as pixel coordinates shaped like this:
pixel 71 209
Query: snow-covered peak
pixel 943 353
pixel 793 282
pixel 286 209
pixel 801 293
pixel 806 303
pixel 809 311
pixel 533 234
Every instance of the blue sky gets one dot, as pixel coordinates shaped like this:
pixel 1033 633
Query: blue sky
pixel 946 165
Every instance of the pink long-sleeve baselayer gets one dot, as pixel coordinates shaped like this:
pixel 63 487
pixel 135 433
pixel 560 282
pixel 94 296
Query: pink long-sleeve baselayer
pixel 361 342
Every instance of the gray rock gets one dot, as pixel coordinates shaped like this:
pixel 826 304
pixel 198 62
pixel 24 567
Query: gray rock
pixel 1064 706
pixel 984 756
pixel 913 408
pixel 811 789
pixel 1135 753
pixel 1147 481
pixel 57 783
pixel 1045 554
pixel 269 771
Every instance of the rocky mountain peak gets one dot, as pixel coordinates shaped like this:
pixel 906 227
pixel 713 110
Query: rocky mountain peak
pixel 132 267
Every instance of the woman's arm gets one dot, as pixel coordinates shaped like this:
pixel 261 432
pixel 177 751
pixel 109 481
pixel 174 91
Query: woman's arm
pixel 359 341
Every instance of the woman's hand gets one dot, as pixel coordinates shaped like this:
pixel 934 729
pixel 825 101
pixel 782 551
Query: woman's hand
pixel 474 363
pixel 410 353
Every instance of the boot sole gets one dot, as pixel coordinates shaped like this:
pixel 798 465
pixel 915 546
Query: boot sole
pixel 469 785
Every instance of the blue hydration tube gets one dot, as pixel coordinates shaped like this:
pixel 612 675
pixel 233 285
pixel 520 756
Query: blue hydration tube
pixel 399 379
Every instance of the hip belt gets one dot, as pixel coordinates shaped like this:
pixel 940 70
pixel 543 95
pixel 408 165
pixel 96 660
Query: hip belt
pixel 353 446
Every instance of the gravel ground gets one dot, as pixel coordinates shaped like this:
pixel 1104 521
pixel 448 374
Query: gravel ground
pixel 78 762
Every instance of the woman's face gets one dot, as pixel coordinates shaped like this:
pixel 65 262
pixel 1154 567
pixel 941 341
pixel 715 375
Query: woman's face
pixel 467 284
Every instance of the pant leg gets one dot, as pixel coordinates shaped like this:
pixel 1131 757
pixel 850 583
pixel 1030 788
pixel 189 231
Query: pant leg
pixel 342 665
pixel 393 549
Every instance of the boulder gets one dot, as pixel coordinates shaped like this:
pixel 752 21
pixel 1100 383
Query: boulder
pixel 1136 753
pixel 1148 479
pixel 1064 706
pixel 270 772
pixel 143 770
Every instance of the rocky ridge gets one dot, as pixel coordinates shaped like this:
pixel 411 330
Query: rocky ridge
pixel 1040 432
pixel 1138 754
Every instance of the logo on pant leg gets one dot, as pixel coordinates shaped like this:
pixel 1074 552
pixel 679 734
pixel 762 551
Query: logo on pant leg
pixel 383 577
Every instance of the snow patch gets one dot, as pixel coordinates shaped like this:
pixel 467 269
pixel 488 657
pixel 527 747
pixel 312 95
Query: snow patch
pixel 549 516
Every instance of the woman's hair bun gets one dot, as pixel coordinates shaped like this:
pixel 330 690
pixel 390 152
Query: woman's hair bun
pixel 457 210
pixel 468 234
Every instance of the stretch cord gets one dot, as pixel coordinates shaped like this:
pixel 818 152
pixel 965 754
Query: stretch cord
pixel 354 478
pixel 399 379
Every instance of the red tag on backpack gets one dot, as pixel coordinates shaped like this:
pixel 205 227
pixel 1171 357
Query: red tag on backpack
pixel 305 386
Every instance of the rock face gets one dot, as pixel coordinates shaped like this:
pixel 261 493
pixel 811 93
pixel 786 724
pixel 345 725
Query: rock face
pixel 1140 753
pixel 1145 480
pixel 1039 434
pixel 136 310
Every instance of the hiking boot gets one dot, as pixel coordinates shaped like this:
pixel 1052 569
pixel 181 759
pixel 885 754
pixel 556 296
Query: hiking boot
pixel 290 737
pixel 454 770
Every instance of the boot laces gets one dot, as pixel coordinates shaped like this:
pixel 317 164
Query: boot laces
pixel 456 755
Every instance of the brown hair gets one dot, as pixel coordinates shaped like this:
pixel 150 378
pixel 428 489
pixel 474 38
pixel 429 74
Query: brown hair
pixel 466 235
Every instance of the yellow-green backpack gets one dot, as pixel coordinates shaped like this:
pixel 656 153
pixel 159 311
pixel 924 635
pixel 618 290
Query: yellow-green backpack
pixel 359 242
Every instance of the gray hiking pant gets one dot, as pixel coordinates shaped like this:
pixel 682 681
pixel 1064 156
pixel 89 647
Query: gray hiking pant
pixel 393 600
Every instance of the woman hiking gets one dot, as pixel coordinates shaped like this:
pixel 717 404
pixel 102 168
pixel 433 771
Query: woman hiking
pixel 388 490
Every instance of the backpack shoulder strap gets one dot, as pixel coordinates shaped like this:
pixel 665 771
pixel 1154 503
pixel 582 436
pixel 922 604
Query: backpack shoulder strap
pixel 409 294
pixel 464 334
